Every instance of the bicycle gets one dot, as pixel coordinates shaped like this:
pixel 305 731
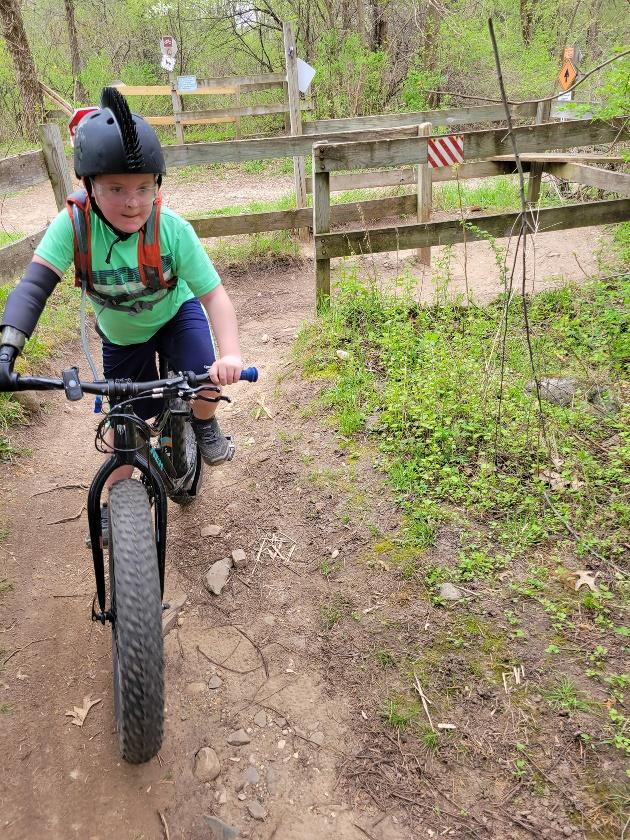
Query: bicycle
pixel 137 537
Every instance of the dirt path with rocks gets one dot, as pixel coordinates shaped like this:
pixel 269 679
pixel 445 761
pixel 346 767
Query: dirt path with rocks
pixel 262 717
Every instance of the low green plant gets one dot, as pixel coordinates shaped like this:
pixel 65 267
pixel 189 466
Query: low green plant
pixel 332 612
pixel 6 237
pixel 401 713
pixel 385 657
pixel 430 738
pixel 621 728
pixel 458 425
pixel 564 696
pixel 491 194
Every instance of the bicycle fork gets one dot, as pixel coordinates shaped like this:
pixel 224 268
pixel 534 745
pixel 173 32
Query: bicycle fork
pixel 124 454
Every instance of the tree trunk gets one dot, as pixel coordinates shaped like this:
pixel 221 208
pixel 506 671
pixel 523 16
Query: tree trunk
pixel 527 21
pixel 378 26
pixel 79 92
pixel 593 50
pixel 30 91
pixel 346 17
pixel 429 45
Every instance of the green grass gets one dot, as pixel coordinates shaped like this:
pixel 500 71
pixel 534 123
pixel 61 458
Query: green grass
pixel 500 193
pixel 564 696
pixel 259 248
pixel 6 237
pixel 58 323
pixel 286 202
pixel 434 377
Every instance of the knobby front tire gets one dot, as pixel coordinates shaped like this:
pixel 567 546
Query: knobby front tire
pixel 137 642
pixel 185 453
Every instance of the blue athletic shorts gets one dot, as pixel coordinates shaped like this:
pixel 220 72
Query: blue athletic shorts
pixel 186 342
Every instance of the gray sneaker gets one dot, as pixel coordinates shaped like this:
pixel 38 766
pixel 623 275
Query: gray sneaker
pixel 214 446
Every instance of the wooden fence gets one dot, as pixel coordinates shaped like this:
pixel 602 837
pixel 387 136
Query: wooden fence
pixel 395 144
pixel 230 86
pixel 491 145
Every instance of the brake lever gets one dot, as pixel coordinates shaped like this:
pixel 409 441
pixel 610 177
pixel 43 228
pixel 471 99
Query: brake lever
pixel 211 399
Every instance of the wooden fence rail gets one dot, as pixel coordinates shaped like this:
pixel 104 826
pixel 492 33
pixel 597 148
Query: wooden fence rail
pixel 452 231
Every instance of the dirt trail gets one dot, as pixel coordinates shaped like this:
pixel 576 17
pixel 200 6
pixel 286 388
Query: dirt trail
pixel 264 637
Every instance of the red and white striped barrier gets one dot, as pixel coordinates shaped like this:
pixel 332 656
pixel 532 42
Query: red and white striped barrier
pixel 445 151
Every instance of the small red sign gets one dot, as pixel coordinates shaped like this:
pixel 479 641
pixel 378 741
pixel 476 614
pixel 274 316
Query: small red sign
pixel 76 118
pixel 445 151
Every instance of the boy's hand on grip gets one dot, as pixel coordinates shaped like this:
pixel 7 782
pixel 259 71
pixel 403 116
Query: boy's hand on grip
pixel 226 370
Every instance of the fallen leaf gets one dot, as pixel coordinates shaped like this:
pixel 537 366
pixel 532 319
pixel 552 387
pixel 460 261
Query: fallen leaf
pixel 79 713
pixel 553 479
pixel 261 409
pixel 585 578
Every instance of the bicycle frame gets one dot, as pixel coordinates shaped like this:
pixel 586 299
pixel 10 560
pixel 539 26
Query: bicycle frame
pixel 158 473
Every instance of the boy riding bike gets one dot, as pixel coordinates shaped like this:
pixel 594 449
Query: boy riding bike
pixel 142 266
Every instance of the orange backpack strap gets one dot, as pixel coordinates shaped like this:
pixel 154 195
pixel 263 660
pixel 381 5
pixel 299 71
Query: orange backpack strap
pixel 149 256
pixel 78 206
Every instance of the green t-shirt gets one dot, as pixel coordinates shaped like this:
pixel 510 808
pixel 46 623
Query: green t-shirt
pixel 182 255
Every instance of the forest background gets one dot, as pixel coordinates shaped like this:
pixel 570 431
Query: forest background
pixel 371 56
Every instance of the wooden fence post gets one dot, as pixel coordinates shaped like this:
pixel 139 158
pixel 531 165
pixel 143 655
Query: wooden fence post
pixel 295 115
pixel 543 114
pixel 55 157
pixel 177 109
pixel 237 121
pixel 425 194
pixel 321 224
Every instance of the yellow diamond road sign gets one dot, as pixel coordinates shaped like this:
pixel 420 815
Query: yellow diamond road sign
pixel 567 75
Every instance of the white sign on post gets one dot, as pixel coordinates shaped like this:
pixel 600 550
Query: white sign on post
pixel 565 114
pixel 168 63
pixel 305 75
pixel 168 45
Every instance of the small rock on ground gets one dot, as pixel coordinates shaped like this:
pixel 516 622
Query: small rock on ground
pixel 273 781
pixel 260 719
pixel 238 738
pixel 207 765
pixel 251 776
pixel 221 830
pixel 211 530
pixel 170 616
pixel 555 389
pixel 217 576
pixel 256 810
pixel 215 682
pixel 450 593
pixel 239 557
pixel 317 738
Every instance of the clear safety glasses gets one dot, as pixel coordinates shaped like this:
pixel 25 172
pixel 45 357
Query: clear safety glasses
pixel 114 195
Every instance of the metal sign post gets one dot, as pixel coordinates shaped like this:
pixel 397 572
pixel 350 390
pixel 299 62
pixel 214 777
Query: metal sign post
pixel 168 48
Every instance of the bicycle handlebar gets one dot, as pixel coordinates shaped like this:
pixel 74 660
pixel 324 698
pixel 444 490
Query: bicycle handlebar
pixel 113 388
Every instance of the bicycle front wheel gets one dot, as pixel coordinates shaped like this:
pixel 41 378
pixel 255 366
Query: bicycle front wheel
pixel 136 604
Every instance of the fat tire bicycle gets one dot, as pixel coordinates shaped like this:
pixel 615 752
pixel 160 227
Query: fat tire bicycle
pixel 167 457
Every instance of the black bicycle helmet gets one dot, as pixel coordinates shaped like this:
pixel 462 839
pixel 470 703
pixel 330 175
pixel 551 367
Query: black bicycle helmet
pixel 112 140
